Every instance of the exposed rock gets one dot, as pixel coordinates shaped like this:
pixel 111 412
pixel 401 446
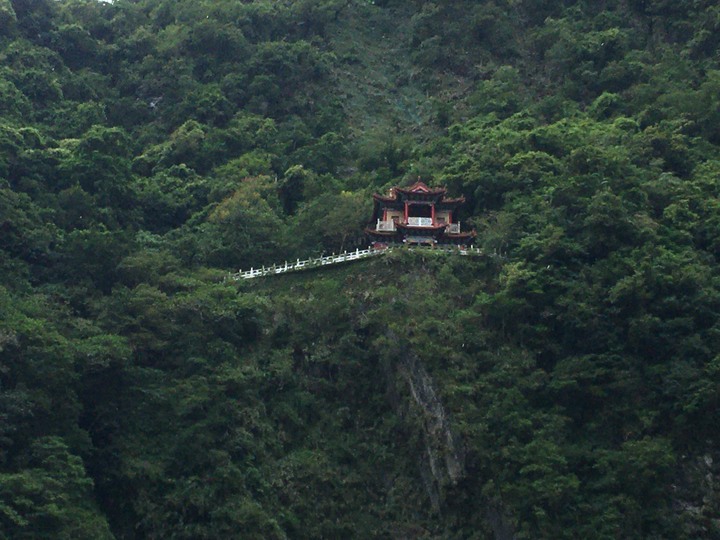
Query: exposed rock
pixel 444 449
pixel 442 464
pixel 697 495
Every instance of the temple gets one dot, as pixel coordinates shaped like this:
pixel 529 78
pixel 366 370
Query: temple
pixel 417 215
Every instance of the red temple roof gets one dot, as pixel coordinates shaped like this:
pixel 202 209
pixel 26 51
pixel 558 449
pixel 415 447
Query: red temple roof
pixel 418 188
pixel 421 187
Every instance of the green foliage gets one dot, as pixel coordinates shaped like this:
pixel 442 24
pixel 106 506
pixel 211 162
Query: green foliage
pixel 8 18
pixel 245 226
pixel 563 385
pixel 50 497
pixel 342 216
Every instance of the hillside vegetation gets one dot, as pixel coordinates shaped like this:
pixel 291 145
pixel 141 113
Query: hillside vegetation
pixel 564 385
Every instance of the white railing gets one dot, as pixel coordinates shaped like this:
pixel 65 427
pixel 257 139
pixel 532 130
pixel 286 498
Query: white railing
pixel 335 259
pixel 306 264
pixel 420 222
pixel 453 228
pixel 385 226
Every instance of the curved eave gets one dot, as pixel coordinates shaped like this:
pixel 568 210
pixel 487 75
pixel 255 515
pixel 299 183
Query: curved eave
pixel 471 234
pixel 382 198
pixel 455 201
pixel 375 232
pixel 426 196
pixel 416 228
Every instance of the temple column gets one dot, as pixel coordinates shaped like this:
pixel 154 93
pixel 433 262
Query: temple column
pixel 432 213
pixel 407 211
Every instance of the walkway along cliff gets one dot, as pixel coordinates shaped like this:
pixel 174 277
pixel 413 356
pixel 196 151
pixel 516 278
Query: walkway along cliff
pixel 413 216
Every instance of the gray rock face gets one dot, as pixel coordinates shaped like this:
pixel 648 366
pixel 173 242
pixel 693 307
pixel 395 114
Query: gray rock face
pixel 444 449
pixel 442 465
pixel 697 495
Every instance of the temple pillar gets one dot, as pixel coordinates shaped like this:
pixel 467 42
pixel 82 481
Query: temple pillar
pixel 432 213
pixel 407 211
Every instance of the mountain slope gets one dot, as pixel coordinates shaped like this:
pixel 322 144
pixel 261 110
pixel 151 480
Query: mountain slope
pixel 564 385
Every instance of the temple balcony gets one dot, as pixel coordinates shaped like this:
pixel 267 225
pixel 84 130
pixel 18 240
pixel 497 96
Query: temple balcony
pixel 420 222
pixel 386 226
pixel 453 228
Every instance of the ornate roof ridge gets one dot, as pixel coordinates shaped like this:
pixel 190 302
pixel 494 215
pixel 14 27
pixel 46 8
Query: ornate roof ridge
pixel 418 188
pixel 421 187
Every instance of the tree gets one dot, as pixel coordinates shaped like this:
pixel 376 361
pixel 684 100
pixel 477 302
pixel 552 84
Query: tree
pixel 333 221
pixel 245 229
pixel 51 497
pixel 8 18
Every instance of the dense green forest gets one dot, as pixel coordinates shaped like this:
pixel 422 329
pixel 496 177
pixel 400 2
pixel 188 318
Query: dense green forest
pixel 566 384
